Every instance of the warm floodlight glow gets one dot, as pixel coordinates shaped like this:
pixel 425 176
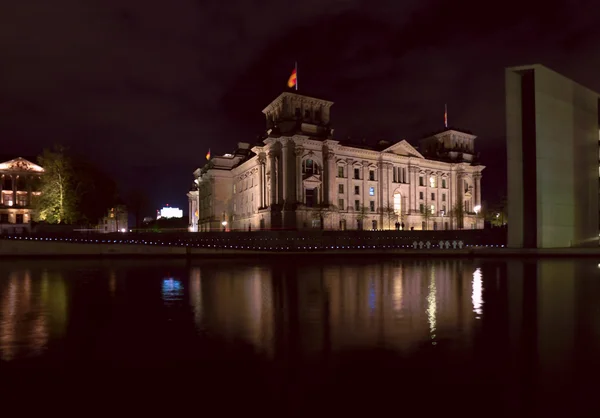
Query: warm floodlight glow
pixel 224 223
pixel 477 208
pixel 477 295
pixel 168 212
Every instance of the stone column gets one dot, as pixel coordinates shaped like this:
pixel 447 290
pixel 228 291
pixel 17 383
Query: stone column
pixel 292 172
pixel 477 188
pixel 349 192
pixel 332 192
pixel 280 171
pixel 460 201
pixel 298 151
pixel 14 185
pixel 365 192
pixel 412 195
pixel 285 171
pixel 261 180
pixel 383 190
pixel 272 178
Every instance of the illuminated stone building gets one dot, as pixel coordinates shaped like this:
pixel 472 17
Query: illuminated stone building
pixel 300 177
pixel 19 185
pixel 116 220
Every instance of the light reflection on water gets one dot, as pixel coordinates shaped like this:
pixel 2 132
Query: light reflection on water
pixel 530 323
pixel 327 306
pixel 172 290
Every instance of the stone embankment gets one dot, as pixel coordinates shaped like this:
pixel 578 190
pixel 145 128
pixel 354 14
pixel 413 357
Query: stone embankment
pixel 269 243
pixel 251 243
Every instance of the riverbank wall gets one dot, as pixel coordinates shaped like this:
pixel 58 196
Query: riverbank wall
pixel 278 244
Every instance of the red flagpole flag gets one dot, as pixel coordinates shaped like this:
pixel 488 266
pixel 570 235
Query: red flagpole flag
pixel 293 79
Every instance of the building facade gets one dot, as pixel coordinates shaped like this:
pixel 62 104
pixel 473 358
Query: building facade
pixel 300 177
pixel 116 220
pixel 19 186
pixel 552 132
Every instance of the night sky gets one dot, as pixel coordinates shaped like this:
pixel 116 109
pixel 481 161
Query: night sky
pixel 146 87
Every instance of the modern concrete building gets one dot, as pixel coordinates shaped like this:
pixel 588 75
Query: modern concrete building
pixel 19 186
pixel 552 129
pixel 300 177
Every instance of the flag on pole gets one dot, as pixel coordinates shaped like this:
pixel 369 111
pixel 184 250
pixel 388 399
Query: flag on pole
pixel 293 80
pixel 208 154
pixel 445 116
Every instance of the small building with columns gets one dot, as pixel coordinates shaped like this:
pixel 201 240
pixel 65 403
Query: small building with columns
pixel 300 177
pixel 19 185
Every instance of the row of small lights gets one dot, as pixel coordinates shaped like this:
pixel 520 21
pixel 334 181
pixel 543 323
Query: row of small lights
pixel 144 242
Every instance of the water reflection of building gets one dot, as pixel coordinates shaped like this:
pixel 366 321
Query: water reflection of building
pixel 339 306
pixel 399 305
pixel 236 302
pixel 30 310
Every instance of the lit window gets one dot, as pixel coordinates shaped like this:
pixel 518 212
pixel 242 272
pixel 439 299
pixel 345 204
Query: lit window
pixel 432 209
pixel 371 191
pixel 432 181
pixel 397 203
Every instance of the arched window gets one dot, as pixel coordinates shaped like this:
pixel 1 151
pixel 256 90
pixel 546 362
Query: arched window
pixel 309 167
pixel 397 203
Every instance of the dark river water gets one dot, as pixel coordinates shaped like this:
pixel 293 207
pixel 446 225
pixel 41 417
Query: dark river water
pixel 299 337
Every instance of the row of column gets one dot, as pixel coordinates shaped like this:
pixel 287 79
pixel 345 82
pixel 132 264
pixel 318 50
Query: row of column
pixel 286 183
pixel 14 190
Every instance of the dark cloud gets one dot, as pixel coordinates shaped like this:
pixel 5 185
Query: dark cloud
pixel 146 87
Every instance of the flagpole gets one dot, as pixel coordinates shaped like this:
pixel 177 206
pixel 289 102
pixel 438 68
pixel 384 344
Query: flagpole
pixel 445 115
pixel 296 67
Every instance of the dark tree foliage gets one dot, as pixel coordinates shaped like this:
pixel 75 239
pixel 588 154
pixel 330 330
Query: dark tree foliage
pixel 137 204
pixel 96 190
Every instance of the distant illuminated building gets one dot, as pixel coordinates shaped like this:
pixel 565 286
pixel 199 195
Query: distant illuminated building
pixel 168 212
pixel 19 186
pixel 116 220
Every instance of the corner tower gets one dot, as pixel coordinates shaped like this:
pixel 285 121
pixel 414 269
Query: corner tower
pixel 292 113
pixel 449 145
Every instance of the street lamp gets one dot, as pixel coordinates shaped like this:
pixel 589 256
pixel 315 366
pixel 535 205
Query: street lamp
pixel 224 223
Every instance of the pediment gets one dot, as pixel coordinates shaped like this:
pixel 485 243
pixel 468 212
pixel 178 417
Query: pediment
pixel 403 148
pixel 312 180
pixel 21 164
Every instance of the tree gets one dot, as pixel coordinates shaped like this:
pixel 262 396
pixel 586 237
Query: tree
pixel 96 190
pixel 323 212
pixel 457 215
pixel 137 202
pixel 390 214
pixel 361 215
pixel 497 213
pixel 426 215
pixel 58 200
